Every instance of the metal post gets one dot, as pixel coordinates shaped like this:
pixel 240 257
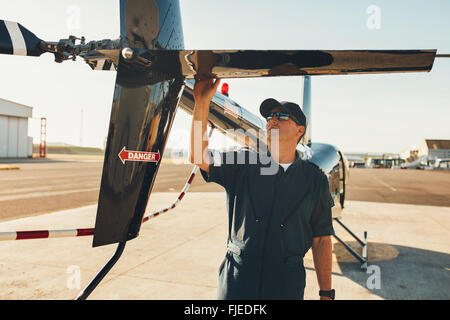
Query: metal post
pixel 364 252
pixel 102 273
pixel 43 145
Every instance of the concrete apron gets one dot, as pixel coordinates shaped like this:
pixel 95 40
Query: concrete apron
pixel 177 255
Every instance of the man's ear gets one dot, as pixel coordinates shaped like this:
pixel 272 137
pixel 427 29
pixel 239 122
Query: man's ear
pixel 301 129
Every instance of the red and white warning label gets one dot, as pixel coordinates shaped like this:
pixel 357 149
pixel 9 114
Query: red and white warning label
pixel 231 109
pixel 130 155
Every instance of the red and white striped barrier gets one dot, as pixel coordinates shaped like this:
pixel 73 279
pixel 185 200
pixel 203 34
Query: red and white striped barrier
pixel 183 192
pixel 45 234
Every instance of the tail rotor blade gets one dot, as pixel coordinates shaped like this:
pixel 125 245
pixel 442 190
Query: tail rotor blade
pixel 17 40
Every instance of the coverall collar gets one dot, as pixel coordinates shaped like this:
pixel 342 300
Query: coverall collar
pixel 296 162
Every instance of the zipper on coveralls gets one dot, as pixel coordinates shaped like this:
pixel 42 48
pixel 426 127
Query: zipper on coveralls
pixel 275 185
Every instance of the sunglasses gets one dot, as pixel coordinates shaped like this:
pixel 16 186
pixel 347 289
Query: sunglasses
pixel 279 115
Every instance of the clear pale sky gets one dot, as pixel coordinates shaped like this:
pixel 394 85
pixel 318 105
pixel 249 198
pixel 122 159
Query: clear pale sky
pixel 359 113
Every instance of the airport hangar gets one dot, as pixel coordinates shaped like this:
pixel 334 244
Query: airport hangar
pixel 439 149
pixel 14 139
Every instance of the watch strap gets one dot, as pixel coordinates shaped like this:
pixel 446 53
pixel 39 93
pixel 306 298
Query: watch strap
pixel 327 293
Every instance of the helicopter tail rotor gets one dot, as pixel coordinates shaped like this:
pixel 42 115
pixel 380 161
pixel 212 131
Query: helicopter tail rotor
pixel 18 40
pixel 15 39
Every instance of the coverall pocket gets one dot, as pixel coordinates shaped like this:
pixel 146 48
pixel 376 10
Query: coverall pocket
pixel 244 224
pixel 293 278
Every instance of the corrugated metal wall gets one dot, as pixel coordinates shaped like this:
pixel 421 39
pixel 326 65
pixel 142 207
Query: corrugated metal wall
pixel 13 137
pixel 441 154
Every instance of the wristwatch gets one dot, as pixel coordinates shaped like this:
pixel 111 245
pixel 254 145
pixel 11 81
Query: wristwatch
pixel 329 294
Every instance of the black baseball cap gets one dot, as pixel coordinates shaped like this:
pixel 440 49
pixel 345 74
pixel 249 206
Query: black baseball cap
pixel 292 108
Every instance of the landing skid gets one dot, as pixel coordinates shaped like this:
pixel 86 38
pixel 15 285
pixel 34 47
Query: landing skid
pixel 102 273
pixel 362 259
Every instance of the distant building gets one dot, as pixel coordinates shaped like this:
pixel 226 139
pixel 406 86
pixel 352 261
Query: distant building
pixel 439 149
pixel 14 140
pixel 374 160
pixel 430 152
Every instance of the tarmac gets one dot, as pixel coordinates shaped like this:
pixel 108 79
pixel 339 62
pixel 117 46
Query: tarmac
pixel 177 255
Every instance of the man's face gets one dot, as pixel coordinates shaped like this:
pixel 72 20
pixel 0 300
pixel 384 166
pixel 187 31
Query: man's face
pixel 289 131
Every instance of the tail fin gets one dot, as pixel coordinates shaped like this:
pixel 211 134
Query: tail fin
pixel 307 109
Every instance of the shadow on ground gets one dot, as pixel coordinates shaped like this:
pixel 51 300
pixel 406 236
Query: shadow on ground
pixel 404 272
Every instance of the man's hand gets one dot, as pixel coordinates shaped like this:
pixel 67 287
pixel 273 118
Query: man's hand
pixel 204 90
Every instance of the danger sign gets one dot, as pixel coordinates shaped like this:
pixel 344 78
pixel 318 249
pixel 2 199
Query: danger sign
pixel 130 155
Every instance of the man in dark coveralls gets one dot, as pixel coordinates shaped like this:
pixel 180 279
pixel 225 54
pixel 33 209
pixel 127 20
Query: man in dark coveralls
pixel 273 218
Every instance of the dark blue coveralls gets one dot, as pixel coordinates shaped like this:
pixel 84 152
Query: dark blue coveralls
pixel 272 220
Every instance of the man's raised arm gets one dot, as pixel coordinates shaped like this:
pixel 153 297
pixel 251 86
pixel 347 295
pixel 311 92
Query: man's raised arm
pixel 203 92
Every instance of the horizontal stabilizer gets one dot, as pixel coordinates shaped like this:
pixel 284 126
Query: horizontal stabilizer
pixel 17 40
pixel 260 63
